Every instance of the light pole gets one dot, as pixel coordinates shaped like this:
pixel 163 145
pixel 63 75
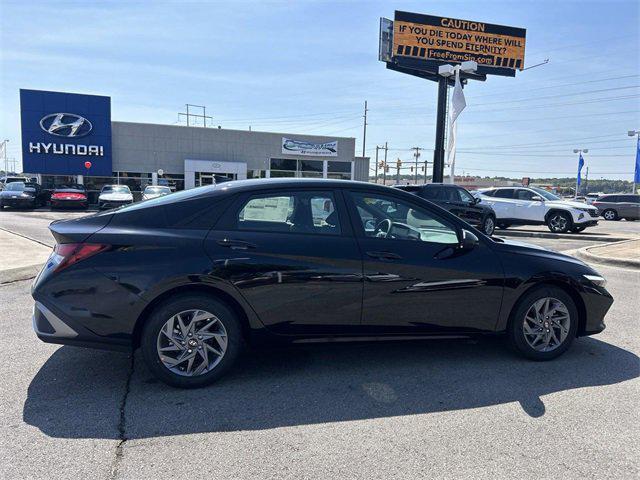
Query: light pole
pixel 579 151
pixel 636 172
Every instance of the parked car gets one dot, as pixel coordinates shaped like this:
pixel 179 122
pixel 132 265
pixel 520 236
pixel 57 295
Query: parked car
pixel 535 206
pixel 592 197
pixel 155 191
pixel 21 195
pixel 615 207
pixel 6 180
pixel 458 201
pixel 69 196
pixel 192 277
pixel 112 196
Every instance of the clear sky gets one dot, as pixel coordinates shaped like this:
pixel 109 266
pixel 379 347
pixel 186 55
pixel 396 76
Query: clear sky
pixel 307 67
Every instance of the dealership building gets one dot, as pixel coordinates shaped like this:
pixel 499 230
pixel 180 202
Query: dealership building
pixel 70 138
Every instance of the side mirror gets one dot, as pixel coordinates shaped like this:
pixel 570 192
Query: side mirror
pixel 537 198
pixel 469 241
pixel 476 200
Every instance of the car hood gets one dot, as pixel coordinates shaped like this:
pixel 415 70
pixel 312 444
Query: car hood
pixel 148 196
pixel 514 246
pixel 115 196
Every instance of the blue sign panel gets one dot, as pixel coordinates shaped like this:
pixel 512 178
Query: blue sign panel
pixel 61 132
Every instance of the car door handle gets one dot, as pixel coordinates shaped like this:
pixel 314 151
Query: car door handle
pixel 236 244
pixel 384 255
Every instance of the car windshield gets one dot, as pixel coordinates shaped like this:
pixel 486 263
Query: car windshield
pixel 115 189
pixel 71 186
pixel 545 194
pixel 15 187
pixel 157 190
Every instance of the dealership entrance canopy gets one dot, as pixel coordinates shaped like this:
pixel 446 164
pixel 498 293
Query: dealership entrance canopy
pixel 70 138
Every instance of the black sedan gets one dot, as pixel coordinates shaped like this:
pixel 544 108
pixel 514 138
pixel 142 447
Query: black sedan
pixel 69 196
pixel 458 201
pixel 193 277
pixel 21 195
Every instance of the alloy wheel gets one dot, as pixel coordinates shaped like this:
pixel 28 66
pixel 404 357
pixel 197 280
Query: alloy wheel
pixel 558 223
pixel 546 324
pixel 489 226
pixel 192 343
pixel 609 215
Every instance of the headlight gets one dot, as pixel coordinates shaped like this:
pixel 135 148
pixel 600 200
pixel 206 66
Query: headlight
pixel 596 279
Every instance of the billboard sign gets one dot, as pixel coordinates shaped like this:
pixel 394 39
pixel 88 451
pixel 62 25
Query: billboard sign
pixel 64 132
pixel 311 149
pixel 450 40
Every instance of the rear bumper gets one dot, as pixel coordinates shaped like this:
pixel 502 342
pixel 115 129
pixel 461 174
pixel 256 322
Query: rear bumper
pixel 69 203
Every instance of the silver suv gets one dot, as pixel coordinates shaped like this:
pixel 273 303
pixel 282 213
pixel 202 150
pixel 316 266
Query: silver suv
pixel 615 207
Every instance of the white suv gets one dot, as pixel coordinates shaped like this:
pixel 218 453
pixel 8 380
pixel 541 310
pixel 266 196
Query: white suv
pixel 535 206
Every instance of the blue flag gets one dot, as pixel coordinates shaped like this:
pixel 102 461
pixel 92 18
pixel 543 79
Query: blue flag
pixel 636 176
pixel 580 165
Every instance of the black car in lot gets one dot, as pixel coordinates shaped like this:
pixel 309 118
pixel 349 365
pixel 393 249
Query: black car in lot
pixel 21 195
pixel 194 276
pixel 458 201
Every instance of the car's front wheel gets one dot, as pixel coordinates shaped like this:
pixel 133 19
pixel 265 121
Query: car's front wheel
pixel 559 222
pixel 544 323
pixel 191 340
pixel 489 225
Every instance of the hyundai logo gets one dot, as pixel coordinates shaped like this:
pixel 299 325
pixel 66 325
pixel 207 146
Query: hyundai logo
pixel 67 125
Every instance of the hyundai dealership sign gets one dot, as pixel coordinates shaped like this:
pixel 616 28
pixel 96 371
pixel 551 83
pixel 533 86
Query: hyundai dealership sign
pixel 62 131
pixel 301 147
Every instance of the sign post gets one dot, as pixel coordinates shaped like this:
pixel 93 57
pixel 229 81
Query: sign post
pixel 419 45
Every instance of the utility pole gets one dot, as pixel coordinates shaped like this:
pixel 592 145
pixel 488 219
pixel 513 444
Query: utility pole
pixel 377 148
pixel 6 163
pixel 586 181
pixel 417 155
pixel 398 165
pixel 204 115
pixel 384 176
pixel 636 171
pixel 364 133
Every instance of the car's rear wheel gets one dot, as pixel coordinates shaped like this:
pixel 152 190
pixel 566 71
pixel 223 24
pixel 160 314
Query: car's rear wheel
pixel 489 225
pixel 191 340
pixel 610 214
pixel 543 324
pixel 559 222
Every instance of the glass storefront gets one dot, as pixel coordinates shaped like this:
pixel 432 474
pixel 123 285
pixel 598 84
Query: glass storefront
pixel 286 167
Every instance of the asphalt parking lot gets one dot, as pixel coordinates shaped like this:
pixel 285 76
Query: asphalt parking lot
pixel 446 409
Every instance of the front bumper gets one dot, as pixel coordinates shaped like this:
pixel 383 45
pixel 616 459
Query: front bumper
pixel 19 202
pixel 105 204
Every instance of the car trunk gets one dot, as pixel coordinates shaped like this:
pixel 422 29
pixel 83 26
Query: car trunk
pixel 78 230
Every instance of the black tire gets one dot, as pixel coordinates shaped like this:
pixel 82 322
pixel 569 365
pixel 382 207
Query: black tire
pixel 489 225
pixel 610 214
pixel 559 222
pixel 515 333
pixel 181 303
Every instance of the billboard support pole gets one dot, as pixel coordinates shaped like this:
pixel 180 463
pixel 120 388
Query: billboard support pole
pixel 441 119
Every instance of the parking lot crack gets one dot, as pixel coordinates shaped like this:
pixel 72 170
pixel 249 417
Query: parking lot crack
pixel 122 424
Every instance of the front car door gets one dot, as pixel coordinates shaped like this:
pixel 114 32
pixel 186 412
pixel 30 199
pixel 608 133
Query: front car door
pixel 293 257
pixel 629 206
pixel 472 212
pixel 411 284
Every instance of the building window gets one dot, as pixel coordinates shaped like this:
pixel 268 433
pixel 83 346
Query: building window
pixel 175 181
pixel 134 180
pixel 284 164
pixel 339 170
pixel 256 173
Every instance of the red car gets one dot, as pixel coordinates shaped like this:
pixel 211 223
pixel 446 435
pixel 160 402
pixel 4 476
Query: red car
pixel 69 196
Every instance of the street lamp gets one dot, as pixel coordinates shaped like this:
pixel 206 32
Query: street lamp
pixel 6 163
pixel 579 151
pixel 636 172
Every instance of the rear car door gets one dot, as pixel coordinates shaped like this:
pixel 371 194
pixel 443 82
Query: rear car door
pixel 411 285
pixel 501 200
pixel 293 257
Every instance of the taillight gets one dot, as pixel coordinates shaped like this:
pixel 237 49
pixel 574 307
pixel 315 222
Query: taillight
pixel 70 253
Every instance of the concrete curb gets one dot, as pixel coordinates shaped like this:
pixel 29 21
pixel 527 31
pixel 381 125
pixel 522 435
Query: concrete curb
pixel 587 256
pixel 574 236
pixel 19 273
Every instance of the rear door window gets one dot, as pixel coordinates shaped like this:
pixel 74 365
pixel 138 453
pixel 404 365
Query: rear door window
pixel 295 212
pixel 504 193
